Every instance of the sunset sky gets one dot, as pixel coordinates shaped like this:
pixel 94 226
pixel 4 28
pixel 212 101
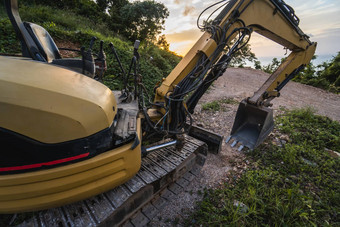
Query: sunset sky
pixel 320 19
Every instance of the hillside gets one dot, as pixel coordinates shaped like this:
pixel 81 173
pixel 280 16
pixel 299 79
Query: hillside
pixel 71 30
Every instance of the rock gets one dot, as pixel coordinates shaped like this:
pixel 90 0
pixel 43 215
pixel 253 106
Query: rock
pixel 309 162
pixel 284 137
pixel 283 142
pixel 243 208
pixel 333 154
pixel 277 142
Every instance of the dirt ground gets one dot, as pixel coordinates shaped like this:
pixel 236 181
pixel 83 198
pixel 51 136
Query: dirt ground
pixel 242 83
pixel 237 84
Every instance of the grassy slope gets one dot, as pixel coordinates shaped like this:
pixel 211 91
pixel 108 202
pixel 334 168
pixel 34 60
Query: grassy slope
pixel 296 184
pixel 63 25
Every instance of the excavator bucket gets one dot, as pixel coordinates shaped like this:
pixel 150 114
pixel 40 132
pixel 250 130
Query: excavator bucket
pixel 252 125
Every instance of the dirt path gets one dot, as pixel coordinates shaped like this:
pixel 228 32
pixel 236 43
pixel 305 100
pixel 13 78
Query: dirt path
pixel 242 83
pixel 237 84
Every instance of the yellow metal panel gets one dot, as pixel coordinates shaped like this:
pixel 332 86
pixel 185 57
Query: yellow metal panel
pixel 52 104
pixel 209 47
pixel 63 197
pixel 264 19
pixel 63 185
pixel 183 67
pixel 294 61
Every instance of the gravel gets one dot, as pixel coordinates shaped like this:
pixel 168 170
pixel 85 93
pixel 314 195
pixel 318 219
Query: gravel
pixel 237 84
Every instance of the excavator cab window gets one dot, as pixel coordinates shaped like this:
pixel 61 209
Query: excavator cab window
pixel 44 41
pixel 36 43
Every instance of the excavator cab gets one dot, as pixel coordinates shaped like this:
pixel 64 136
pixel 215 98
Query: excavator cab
pixel 36 43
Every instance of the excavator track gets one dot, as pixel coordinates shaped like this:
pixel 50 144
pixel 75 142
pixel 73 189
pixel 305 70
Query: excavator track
pixel 162 175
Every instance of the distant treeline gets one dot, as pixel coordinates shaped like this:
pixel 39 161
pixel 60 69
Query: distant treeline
pixel 325 75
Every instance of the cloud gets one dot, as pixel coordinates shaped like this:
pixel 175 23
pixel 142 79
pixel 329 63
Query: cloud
pixel 328 32
pixel 181 48
pixel 188 10
pixel 319 18
pixel 182 42
pixel 187 35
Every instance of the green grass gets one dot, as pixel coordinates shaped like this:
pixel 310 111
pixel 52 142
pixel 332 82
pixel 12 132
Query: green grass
pixel 218 105
pixel 296 184
pixel 64 25
pixel 62 18
pixel 229 101
pixel 214 106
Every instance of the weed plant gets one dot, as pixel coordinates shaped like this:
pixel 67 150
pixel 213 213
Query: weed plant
pixel 297 184
pixel 214 106
pixel 218 105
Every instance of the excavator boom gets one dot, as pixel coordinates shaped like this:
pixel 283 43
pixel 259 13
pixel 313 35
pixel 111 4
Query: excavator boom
pixel 209 57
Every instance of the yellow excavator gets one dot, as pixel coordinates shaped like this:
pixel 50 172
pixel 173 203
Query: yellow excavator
pixel 66 137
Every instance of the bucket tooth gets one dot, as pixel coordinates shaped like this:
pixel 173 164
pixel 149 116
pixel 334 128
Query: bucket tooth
pixel 228 139
pixel 240 148
pixel 252 124
pixel 234 143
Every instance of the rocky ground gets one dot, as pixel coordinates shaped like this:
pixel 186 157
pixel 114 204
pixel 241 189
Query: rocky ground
pixel 237 84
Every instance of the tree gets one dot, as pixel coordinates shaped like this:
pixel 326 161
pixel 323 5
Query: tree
pixel 103 5
pixel 163 43
pixel 144 20
pixel 240 57
pixel 332 71
pixel 325 76
pixel 271 67
pixel 257 64
pixel 115 11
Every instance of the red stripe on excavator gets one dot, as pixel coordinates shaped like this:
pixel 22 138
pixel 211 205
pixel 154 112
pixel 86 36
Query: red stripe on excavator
pixel 37 165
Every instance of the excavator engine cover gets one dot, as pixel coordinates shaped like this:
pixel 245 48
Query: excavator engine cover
pixel 252 124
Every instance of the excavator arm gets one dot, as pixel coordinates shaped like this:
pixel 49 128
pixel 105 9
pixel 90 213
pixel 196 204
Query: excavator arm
pixel 209 57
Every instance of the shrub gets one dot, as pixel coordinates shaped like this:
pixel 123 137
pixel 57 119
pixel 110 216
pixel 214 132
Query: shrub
pixel 325 76
pixel 293 185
